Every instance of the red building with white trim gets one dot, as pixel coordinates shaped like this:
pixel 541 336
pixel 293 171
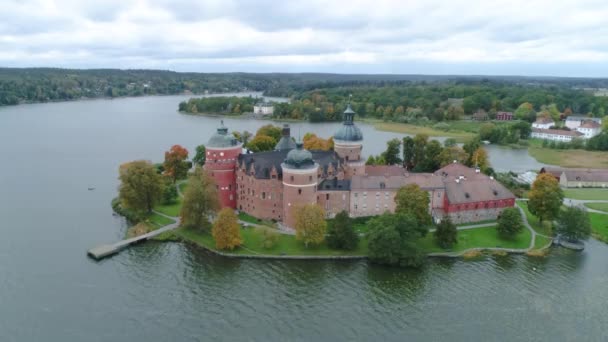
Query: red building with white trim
pixel 223 151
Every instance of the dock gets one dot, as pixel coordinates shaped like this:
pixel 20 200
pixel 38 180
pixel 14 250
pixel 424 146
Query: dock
pixel 107 250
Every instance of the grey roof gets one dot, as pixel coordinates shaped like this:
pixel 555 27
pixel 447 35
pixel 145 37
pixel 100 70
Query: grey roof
pixel 334 184
pixel 221 138
pixel 264 162
pixel 348 131
pixel 470 191
pixel 286 143
pixel 582 118
pixel 299 158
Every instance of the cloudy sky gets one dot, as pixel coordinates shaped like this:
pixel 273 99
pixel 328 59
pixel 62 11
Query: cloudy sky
pixel 529 37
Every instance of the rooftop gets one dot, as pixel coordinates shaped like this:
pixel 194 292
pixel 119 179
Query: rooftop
pixel 590 124
pixel 479 190
pixel 557 132
pixel 544 120
pixel 221 138
pixel 264 162
pixel 334 185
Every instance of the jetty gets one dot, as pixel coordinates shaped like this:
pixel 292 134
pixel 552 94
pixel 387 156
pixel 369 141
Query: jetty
pixel 107 250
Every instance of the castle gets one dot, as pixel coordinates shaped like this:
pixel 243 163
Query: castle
pixel 270 185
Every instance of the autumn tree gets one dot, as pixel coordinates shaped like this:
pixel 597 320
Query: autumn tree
pixel 200 200
pixel 341 234
pixel 480 159
pixel 313 142
pixel 226 230
pixel 201 155
pixel 510 223
pixel 446 233
pixel 545 197
pixel 141 187
pixel 310 224
pixel 410 199
pixel 573 223
pixel 261 143
pixel 175 164
pixel 270 131
pixel 449 154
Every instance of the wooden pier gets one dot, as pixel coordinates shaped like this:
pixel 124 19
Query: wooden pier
pixel 107 250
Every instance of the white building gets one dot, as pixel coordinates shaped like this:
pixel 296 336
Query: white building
pixel 590 128
pixel 555 134
pixel 263 108
pixel 573 122
pixel 543 123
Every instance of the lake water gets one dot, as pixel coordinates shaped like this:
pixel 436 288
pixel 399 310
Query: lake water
pixel 50 291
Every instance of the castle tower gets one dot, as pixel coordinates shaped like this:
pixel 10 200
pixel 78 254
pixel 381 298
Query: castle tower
pixel 286 142
pixel 348 143
pixel 222 154
pixel 299 182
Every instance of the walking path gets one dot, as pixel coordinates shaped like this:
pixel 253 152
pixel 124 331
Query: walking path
pixel 571 202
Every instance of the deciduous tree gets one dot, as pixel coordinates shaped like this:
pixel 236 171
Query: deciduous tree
pixel 141 187
pixel 446 233
pixel 200 200
pixel 226 230
pixel 545 197
pixel 175 163
pixel 393 240
pixel 509 223
pixel 449 154
pixel 201 155
pixel 341 234
pixel 410 199
pixel 480 159
pixel 261 143
pixel 573 223
pixel 391 155
pixel 310 224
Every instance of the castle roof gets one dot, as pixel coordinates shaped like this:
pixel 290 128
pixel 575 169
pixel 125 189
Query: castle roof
pixel 221 138
pixel 479 190
pixel 334 184
pixel 348 131
pixel 299 158
pixel 264 162
pixel 286 142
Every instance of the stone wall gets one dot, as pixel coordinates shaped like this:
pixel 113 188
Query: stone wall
pixel 466 216
pixel 333 202
pixel 260 198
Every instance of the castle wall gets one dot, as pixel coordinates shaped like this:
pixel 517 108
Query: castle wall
pixel 260 198
pixel 349 151
pixel 370 202
pixel 333 201
pixel 299 188
pixel 221 166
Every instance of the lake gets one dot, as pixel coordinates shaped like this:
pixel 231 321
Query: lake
pixel 50 290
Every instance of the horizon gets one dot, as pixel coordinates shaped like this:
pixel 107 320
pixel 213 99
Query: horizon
pixel 384 37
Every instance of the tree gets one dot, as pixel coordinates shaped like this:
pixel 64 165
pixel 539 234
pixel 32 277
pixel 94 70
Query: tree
pixel 509 223
pixel 269 238
pixel 574 224
pixel 341 234
pixel 141 187
pixel 410 199
pixel 545 197
pixel 270 131
pixel 485 131
pixel 201 155
pixel 169 194
pixel 524 111
pixel 310 224
pixel 408 152
pixel 370 160
pixel 446 233
pixel 313 142
pixel 391 155
pixel 449 142
pixel 480 159
pixel 449 154
pixel 175 163
pixel 226 230
pixel 420 142
pixel 261 143
pixel 200 200
pixel 393 240
pixel 470 147
pixel 431 161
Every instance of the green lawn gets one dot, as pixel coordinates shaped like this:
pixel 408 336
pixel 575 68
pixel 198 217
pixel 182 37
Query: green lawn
pixel 598 206
pixel 460 136
pixel 243 216
pixel 170 209
pixel 541 241
pixel 157 221
pixel 485 237
pixel 182 187
pixel 599 226
pixel 252 244
pixel 544 229
pixel 475 223
pixel 587 194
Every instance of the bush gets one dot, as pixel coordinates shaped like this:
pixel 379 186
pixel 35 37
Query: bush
pixel 269 238
pixel 169 195
pixel 341 234
pixel 509 223
pixel 446 233
pixel 442 126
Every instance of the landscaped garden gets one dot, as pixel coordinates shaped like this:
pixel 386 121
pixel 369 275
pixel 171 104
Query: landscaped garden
pixel 486 237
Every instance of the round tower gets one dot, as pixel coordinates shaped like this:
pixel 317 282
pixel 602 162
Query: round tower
pixel 299 182
pixel 348 143
pixel 222 156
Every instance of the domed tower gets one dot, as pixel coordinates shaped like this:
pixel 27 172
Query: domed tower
pixel 299 182
pixel 222 153
pixel 348 143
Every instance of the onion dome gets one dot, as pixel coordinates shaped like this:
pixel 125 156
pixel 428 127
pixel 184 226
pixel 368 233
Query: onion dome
pixel 221 138
pixel 349 131
pixel 299 158
pixel 286 142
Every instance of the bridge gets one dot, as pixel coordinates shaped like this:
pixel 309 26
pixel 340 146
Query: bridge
pixel 107 250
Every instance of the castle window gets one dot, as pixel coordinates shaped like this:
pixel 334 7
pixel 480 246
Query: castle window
pixel 355 195
pixel 327 197
pixel 299 191
pixel 291 178
pixel 229 186
pixel 382 185
pixel 263 195
pixel 355 207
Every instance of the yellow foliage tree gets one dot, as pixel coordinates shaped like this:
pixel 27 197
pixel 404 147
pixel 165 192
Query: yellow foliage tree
pixel 480 158
pixel 226 231
pixel 310 224
pixel 313 142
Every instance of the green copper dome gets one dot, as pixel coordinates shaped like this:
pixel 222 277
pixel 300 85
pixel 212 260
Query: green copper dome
pixel 348 131
pixel 221 138
pixel 299 158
